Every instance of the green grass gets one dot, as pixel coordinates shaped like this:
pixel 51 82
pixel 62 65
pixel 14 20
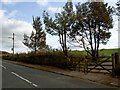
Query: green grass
pixel 77 53
pixel 102 52
pixel 108 52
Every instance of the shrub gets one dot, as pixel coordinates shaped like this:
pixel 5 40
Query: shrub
pixel 56 59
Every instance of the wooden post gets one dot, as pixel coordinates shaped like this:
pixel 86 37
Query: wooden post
pixel 79 65
pixel 113 63
pixel 85 66
pixel 117 60
pixel 117 64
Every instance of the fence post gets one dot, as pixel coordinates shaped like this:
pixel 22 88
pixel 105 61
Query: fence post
pixel 113 63
pixel 79 65
pixel 85 66
pixel 117 60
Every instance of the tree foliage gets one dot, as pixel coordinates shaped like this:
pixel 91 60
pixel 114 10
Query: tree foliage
pixel 117 10
pixel 37 39
pixel 91 26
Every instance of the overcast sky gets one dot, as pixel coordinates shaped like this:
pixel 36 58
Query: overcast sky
pixel 16 17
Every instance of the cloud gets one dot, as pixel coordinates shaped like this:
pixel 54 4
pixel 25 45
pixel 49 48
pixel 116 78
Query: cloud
pixel 42 2
pixel 10 26
pixel 2 16
pixel 58 9
pixel 8 1
pixel 12 14
pixel 55 9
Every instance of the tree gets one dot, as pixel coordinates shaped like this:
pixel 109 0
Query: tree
pixel 117 10
pixel 60 25
pixel 91 26
pixel 37 39
pixel 48 48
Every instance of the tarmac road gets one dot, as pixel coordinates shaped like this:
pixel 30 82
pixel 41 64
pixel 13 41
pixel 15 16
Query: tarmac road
pixel 16 76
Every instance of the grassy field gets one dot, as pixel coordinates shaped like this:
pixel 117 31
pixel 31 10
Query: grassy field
pixel 102 52
pixel 109 52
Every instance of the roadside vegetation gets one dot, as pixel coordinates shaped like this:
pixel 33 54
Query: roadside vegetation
pixel 54 58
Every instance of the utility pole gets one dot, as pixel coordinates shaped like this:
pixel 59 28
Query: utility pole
pixel 13 42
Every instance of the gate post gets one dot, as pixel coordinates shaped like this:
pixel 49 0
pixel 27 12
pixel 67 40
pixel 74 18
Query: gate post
pixel 113 63
pixel 85 65
pixel 117 64
pixel 117 60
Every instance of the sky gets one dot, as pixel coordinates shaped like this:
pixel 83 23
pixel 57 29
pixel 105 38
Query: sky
pixel 16 17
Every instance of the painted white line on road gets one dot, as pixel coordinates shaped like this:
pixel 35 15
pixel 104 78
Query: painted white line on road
pixel 3 66
pixel 34 85
pixel 24 79
pixel 21 77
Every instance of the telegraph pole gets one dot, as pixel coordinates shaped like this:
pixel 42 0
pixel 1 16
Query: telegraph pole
pixel 13 42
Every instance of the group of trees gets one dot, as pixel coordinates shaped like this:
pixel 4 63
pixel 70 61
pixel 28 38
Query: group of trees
pixel 88 26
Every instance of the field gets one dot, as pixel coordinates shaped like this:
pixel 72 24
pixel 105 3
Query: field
pixel 109 52
pixel 102 52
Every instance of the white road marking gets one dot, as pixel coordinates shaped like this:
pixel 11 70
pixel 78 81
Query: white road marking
pixel 24 79
pixel 34 85
pixel 3 66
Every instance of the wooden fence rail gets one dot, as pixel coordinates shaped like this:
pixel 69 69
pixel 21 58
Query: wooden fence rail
pixel 109 64
pixel 105 64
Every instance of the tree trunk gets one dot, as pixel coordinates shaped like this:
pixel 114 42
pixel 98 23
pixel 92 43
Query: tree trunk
pixel 35 44
pixel 98 41
pixel 65 45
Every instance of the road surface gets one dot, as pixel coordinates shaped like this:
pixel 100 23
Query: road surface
pixel 16 76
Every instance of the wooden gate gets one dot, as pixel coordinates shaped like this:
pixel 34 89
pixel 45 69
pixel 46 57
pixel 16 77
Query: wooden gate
pixel 104 64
